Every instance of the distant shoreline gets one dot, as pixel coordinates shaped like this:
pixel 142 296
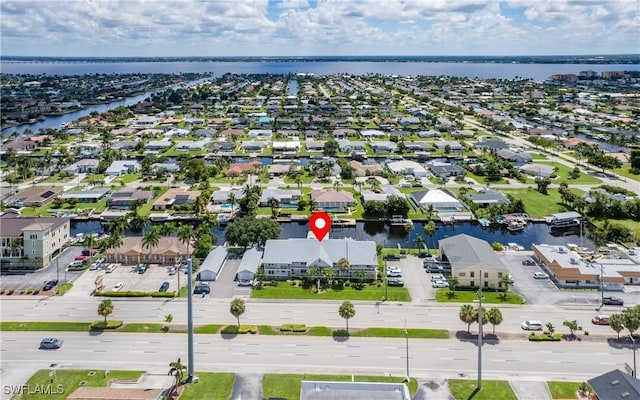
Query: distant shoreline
pixel 557 59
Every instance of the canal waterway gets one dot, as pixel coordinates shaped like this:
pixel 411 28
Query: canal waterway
pixel 381 233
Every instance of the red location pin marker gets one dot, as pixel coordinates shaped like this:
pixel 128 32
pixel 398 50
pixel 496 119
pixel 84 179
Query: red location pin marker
pixel 320 224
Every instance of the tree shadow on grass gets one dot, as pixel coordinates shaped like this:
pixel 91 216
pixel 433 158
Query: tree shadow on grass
pixel 473 394
pixel 340 335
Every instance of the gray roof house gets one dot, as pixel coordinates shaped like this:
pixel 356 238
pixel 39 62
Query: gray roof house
pixel 284 196
pixel 518 158
pixel 538 170
pixel 446 170
pixel 469 256
pixel 491 145
pixel 384 146
pixel 87 165
pixel 212 265
pixel 292 257
pixel 488 197
pixel 249 264
pixel 122 167
pixel 86 196
pixel 222 196
pixel 615 385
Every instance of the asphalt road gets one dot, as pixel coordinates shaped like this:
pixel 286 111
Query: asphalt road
pixel 304 354
pixel 368 314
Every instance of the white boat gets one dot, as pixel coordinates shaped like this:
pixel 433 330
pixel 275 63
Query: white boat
pixel 515 226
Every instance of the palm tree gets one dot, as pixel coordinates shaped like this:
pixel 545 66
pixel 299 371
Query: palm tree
pixel 616 321
pixel 105 308
pixel 118 225
pixel 337 185
pixel 167 228
pixel 114 241
pixel 419 241
pixel 186 235
pixel 89 241
pixel 347 311
pixel 359 184
pixel 506 281
pixel 429 229
pixel 201 205
pixel 329 275
pixel 237 308
pixel 312 203
pixel 178 370
pixel 151 239
pixel 494 316
pixel 139 222
pixel 298 180
pixel 274 204
pixel 343 265
pixel 232 200
pixel 468 314
pixel 313 272
pixel 208 221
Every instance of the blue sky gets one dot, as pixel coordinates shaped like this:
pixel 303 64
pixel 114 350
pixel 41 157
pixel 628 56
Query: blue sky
pixel 106 28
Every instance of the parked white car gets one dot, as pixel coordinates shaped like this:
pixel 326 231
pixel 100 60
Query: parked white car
pixel 117 286
pixel 440 284
pixel 540 275
pixel 437 278
pixel 532 325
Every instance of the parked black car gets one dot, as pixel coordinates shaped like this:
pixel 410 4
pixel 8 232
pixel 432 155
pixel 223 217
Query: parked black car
pixel 164 287
pixel 50 285
pixel 395 282
pixel 143 268
pixel 528 262
pixel 612 301
pixel 199 289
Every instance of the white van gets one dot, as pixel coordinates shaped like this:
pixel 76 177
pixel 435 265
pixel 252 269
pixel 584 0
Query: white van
pixel 111 268
pixel 76 263
pixel 532 325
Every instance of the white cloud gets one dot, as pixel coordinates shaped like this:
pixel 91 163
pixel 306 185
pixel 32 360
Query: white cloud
pixel 298 27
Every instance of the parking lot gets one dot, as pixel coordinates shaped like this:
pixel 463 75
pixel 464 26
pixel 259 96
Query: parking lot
pixel 56 270
pixel 416 280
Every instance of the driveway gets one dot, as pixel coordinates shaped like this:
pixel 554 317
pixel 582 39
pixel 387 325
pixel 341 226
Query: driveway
pixel 56 270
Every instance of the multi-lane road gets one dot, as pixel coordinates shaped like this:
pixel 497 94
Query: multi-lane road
pixel 311 313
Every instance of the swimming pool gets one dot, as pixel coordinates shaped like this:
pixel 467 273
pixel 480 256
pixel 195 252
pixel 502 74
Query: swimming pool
pixel 227 207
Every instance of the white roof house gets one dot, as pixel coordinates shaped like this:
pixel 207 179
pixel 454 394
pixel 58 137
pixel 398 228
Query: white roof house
pixel 284 196
pixel 282 258
pixel 406 167
pixel 249 264
pixel 212 265
pixel 439 199
pixel 122 167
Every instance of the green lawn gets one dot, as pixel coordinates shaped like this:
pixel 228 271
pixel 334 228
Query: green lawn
pixel 288 386
pixel 564 172
pixel 563 390
pixel 463 389
pixel 286 290
pixel 538 205
pixel 69 381
pixel 442 295
pixel 45 326
pixel 400 333
pixel 213 386
pixel 626 172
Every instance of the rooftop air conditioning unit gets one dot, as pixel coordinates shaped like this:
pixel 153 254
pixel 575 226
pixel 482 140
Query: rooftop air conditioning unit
pixel 573 261
pixel 562 250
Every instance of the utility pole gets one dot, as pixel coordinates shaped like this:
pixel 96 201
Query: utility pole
pixel 386 282
pixel 633 341
pixel 479 386
pixel 406 334
pixel 191 372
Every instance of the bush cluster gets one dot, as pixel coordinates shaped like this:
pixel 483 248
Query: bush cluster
pixel 545 337
pixel 108 325
pixel 293 328
pixel 242 329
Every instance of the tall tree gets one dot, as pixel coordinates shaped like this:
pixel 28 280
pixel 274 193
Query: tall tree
pixel 105 308
pixel 151 239
pixel 616 322
pixel 178 371
pixel 237 308
pixel 347 311
pixel 468 314
pixel 114 241
pixel 494 316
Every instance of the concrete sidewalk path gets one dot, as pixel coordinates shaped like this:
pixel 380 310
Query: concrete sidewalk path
pixel 531 390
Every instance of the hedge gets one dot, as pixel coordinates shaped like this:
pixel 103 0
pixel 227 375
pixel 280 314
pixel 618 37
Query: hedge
pixel 108 325
pixel 242 329
pixel 545 337
pixel 78 268
pixel 293 328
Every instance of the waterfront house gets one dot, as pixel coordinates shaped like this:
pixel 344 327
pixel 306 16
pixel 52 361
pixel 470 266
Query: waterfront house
pixel 86 196
pixel 222 196
pixel 176 197
pixel 351 146
pixel 332 199
pixel 315 145
pixel 293 146
pixel 488 197
pixel 439 200
pixel 36 196
pixel 384 146
pixel 286 197
pixel 237 169
pixel 472 259
pixel 283 259
pixel 123 199
pixel 385 192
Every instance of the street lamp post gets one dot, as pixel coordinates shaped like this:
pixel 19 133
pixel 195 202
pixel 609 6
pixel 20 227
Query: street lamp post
pixel 480 334
pixel 633 341
pixel 386 282
pixel 190 322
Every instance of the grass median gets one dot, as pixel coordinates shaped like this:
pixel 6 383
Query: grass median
pixel 444 296
pixel 491 390
pixel 287 290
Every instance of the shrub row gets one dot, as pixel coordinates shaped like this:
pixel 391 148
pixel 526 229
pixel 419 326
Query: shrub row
pixel 78 268
pixel 109 325
pixel 242 329
pixel 545 337
pixel 293 328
